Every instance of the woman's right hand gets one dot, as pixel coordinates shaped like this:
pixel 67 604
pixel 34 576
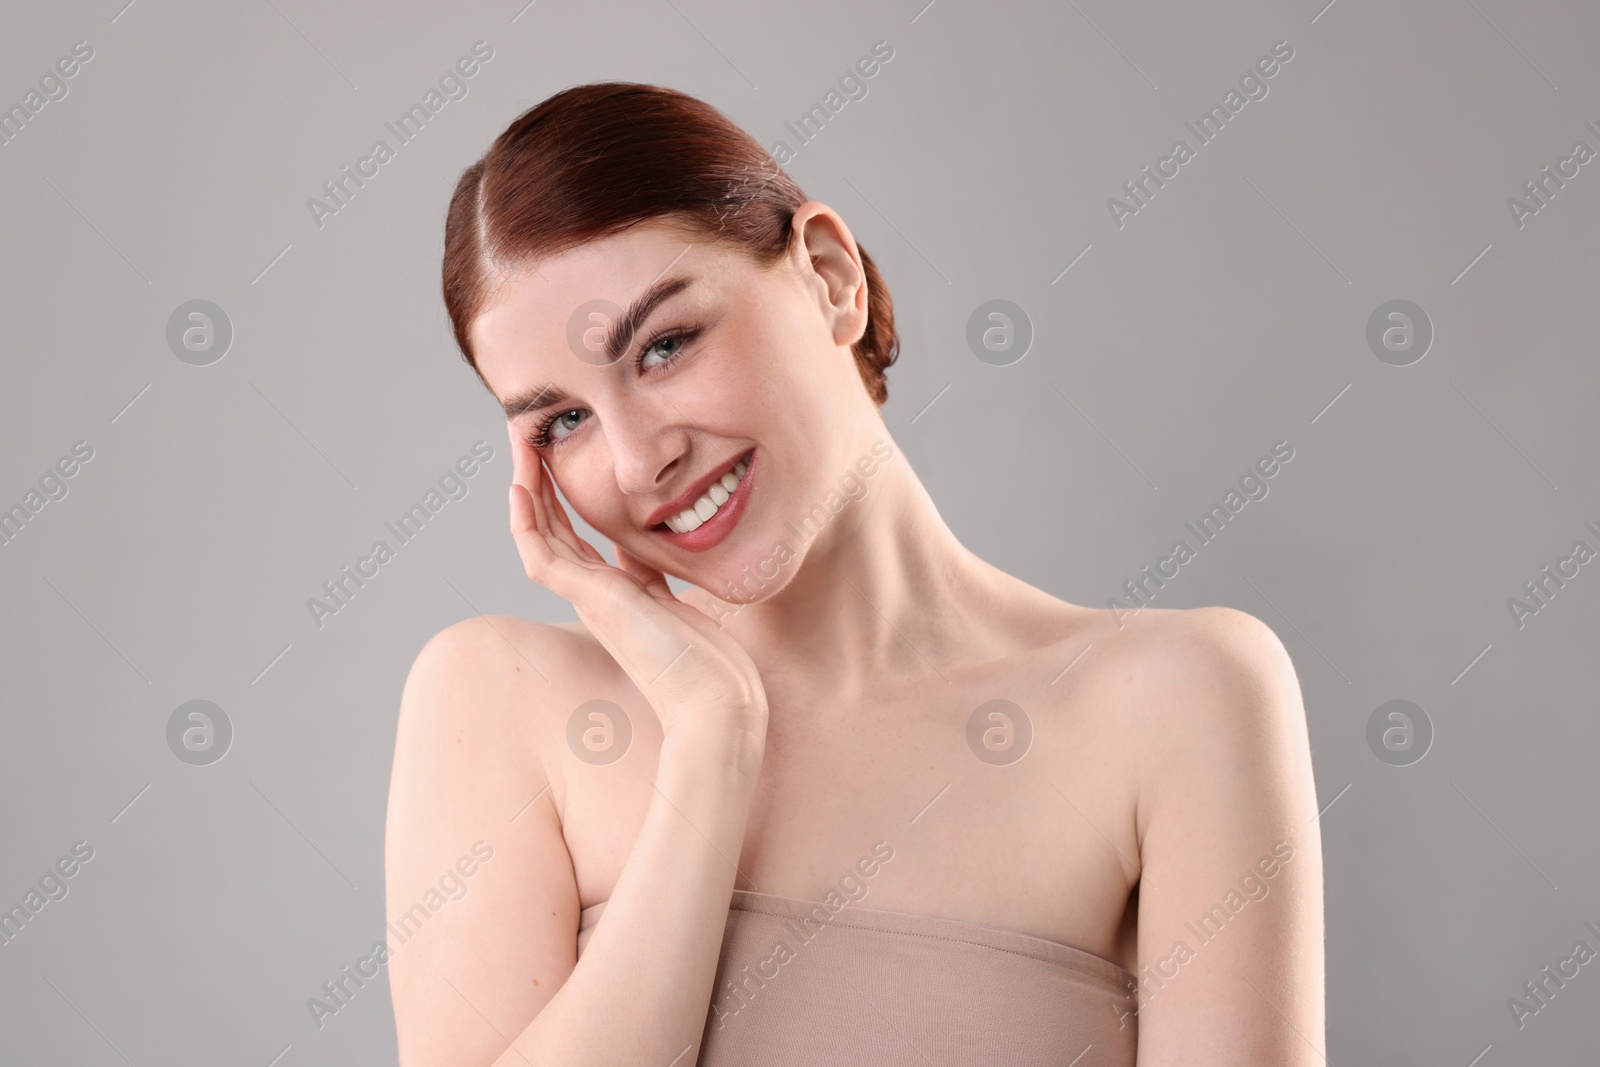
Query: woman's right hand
pixel 689 668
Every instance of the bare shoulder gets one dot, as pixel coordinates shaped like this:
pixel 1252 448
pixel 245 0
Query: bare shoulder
pixel 473 694
pixel 1189 693
pixel 1236 673
pixel 470 651
pixel 1227 837
pixel 479 882
pixel 1194 662
pixel 482 662
pixel 461 652
pixel 491 679
pixel 1211 705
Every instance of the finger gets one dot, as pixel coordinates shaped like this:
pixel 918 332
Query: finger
pixel 532 546
pixel 544 559
pixel 527 520
pixel 525 472
pixel 559 525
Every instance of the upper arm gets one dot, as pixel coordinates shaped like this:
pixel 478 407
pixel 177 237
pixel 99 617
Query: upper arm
pixel 480 897
pixel 1230 920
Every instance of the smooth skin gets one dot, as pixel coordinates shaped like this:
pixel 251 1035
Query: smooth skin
pixel 773 742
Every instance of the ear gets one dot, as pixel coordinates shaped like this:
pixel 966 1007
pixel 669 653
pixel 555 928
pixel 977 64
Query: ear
pixel 827 257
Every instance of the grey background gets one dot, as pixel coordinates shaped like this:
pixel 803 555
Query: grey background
pixel 1228 314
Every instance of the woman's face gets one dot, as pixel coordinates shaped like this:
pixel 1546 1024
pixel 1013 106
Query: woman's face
pixel 733 361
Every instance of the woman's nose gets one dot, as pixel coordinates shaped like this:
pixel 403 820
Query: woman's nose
pixel 646 459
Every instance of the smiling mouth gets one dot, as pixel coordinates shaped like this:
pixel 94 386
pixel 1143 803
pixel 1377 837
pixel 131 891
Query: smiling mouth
pixel 710 502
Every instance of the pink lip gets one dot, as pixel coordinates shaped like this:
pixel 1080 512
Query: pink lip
pixel 694 492
pixel 712 532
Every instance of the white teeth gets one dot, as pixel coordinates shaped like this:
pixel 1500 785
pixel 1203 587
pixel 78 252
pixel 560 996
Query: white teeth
pixel 716 495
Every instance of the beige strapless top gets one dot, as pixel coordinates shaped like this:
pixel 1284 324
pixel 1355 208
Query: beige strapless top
pixel 798 984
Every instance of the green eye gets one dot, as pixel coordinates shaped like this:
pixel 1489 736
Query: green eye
pixel 676 336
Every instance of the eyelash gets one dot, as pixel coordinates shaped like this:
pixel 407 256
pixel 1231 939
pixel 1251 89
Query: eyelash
pixel 541 439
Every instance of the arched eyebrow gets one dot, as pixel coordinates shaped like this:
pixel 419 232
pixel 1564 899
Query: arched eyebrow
pixel 537 398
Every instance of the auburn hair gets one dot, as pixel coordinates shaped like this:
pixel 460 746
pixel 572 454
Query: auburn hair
pixel 594 160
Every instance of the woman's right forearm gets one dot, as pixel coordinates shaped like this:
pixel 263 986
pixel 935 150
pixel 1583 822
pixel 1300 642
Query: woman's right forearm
pixel 641 991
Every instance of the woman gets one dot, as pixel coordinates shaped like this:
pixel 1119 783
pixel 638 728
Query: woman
pixel 854 795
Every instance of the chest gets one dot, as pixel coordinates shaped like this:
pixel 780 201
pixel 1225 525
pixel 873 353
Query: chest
pixel 996 809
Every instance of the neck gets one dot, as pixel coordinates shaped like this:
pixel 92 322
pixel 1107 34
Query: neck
pixel 883 593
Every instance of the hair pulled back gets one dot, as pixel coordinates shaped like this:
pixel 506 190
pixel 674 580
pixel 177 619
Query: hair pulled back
pixel 594 160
